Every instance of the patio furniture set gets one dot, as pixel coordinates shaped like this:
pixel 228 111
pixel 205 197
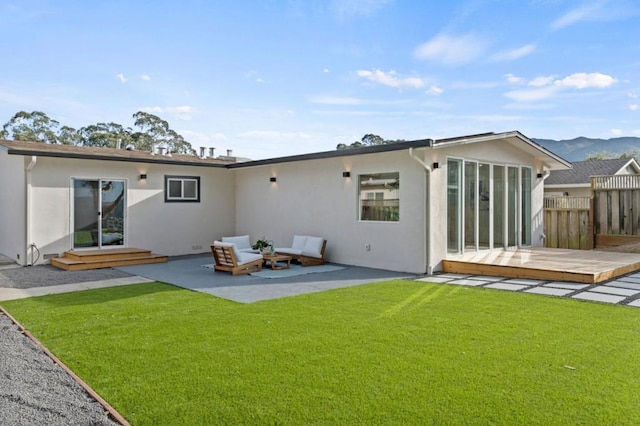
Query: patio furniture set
pixel 236 254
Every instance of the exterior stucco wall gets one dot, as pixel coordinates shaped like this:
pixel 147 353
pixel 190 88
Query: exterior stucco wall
pixel 151 223
pixel 312 198
pixel 12 206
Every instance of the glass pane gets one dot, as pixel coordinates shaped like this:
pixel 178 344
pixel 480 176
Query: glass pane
pixel 113 202
pixel 498 206
pixel 470 190
pixel 453 206
pixel 85 213
pixel 526 206
pixel 512 208
pixel 190 189
pixel 484 200
pixel 175 189
pixel 380 197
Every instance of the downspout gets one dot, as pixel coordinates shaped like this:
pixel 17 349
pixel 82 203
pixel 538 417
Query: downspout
pixel 546 174
pixel 30 166
pixel 427 169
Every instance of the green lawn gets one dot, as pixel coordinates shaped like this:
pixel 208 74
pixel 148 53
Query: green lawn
pixel 399 352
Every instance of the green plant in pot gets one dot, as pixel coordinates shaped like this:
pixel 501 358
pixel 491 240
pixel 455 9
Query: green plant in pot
pixel 263 245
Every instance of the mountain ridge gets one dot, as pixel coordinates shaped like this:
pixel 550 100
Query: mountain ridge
pixel 578 149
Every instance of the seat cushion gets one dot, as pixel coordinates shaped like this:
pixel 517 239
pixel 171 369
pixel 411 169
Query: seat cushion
pixel 286 250
pixel 313 247
pixel 244 257
pixel 242 242
pixel 298 242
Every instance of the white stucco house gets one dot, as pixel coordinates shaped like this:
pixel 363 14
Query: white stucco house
pixel 403 206
pixel 576 182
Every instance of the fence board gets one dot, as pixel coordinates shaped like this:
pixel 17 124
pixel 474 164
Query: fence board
pixel 567 222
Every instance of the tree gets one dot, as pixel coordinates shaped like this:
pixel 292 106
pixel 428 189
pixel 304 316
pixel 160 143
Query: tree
pixel 105 135
pixel 368 140
pixel 155 130
pixel 606 155
pixel 33 126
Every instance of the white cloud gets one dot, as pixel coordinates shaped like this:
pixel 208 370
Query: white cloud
pixel 634 107
pixel 532 95
pixel 434 90
pixel 514 79
pixel 344 9
pixel 452 50
pixel 541 81
pixel 121 77
pixel 326 70
pixel 513 54
pixel 183 112
pixel 632 95
pixel 145 77
pixel 273 135
pixel 583 80
pixel 391 79
pixel 616 132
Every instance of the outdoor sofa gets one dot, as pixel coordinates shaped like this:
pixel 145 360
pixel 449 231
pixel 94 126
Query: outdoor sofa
pixel 229 258
pixel 306 249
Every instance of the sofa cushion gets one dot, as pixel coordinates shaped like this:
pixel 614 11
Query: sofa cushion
pixel 313 247
pixel 298 242
pixel 245 257
pixel 290 251
pixel 242 242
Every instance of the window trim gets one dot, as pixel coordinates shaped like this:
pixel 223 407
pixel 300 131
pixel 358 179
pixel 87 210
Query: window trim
pixel 182 198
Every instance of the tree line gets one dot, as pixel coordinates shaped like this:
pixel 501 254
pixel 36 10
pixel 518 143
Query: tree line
pixel 147 130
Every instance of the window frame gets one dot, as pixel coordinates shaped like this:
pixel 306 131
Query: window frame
pixel 182 179
pixel 373 195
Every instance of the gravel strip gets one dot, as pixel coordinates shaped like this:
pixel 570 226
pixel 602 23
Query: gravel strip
pixel 36 391
pixel 47 275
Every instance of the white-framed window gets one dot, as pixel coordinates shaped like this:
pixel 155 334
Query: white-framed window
pixel 182 189
pixel 379 197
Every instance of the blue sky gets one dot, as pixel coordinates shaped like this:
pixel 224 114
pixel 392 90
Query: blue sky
pixel 273 78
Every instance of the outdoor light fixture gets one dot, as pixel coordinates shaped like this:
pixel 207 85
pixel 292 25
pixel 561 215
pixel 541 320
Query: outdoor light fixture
pixel 539 175
pixel 436 165
pixel 272 179
pixel 143 176
pixel 346 174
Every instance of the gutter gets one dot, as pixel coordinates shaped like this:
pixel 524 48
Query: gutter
pixel 30 166
pixel 427 168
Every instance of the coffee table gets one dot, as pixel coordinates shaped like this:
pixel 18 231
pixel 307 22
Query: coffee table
pixel 274 258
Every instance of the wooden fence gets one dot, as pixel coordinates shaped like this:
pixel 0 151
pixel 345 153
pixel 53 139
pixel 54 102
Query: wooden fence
pixel 616 209
pixel 567 222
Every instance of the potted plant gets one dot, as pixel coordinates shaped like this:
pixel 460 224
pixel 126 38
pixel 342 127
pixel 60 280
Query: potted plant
pixel 263 245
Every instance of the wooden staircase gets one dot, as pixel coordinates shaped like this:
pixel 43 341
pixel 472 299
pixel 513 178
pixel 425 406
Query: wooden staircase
pixel 105 258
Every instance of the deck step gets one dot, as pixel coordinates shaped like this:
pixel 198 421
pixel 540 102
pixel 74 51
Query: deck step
pixel 107 258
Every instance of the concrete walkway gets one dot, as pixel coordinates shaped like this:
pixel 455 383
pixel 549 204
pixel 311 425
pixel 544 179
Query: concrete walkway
pixel 620 291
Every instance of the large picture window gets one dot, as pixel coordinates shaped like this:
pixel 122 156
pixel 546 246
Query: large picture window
pixel 182 189
pixel 379 197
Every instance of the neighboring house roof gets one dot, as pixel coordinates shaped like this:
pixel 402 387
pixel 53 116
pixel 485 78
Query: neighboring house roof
pixel 95 153
pixel 549 159
pixel 582 171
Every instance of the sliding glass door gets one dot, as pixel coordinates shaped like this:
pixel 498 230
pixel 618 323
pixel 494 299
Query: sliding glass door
pixel 98 213
pixel 489 206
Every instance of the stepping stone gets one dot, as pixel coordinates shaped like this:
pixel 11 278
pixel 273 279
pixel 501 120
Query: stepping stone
pixel 453 276
pixel 469 282
pixel 523 281
pixel 568 286
pixel 623 284
pixel 549 291
pixel 634 279
pixel 435 279
pixel 599 297
pixel 635 303
pixel 614 290
pixel 485 278
pixel 507 286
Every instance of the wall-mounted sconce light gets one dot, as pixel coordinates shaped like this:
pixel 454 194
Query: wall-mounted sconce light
pixel 436 165
pixel 346 174
pixel 539 175
pixel 143 176
pixel 272 179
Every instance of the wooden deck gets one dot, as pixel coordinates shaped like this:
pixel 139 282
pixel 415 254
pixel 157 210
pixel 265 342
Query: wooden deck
pixel 105 258
pixel 584 266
